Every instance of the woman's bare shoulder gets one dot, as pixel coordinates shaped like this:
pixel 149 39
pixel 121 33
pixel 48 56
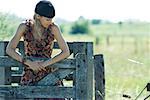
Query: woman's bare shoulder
pixel 27 23
pixel 22 26
pixel 55 29
pixel 54 26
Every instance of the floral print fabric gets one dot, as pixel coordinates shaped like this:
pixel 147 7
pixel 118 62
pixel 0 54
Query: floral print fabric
pixel 37 48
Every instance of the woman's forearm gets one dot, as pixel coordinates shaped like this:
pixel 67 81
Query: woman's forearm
pixel 57 58
pixel 12 53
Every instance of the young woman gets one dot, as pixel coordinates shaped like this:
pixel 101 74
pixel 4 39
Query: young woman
pixel 38 34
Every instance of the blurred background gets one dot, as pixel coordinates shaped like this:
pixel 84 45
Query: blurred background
pixel 119 29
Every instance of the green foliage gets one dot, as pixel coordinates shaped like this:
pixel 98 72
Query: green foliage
pixel 8 25
pixel 96 21
pixel 81 26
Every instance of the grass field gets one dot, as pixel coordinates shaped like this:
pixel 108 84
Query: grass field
pixel 126 67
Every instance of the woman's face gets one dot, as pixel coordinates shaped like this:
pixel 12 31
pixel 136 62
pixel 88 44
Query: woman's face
pixel 45 22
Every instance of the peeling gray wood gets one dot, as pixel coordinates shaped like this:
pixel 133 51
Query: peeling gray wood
pixel 99 77
pixel 5 77
pixel 16 78
pixel 79 47
pixel 81 78
pixel 2 69
pixel 52 78
pixel 87 49
pixel 37 92
pixel 7 62
pixel 90 71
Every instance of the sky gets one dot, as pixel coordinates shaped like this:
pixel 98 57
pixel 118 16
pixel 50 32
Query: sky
pixel 113 10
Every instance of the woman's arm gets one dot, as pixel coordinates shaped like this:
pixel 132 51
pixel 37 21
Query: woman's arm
pixel 62 45
pixel 11 47
pixel 10 50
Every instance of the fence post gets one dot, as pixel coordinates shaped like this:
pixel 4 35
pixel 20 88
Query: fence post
pixel 5 78
pixel 78 47
pixel 87 49
pixel 90 71
pixel 99 77
pixel 81 82
pixel 2 69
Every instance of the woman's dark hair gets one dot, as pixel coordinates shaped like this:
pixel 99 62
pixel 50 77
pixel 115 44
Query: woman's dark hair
pixel 45 8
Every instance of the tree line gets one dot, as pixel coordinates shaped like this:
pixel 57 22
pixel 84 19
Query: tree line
pixel 10 22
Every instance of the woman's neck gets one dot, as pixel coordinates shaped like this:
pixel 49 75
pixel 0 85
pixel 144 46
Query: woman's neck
pixel 38 29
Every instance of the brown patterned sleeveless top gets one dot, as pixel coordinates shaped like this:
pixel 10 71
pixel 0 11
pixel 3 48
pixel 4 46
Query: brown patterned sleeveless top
pixel 38 48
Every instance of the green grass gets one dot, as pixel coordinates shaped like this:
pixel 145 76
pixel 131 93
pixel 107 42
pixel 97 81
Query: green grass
pixel 126 67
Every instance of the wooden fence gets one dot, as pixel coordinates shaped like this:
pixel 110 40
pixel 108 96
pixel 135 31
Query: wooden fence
pixel 88 75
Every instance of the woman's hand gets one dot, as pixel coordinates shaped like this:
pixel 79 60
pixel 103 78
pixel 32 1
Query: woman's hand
pixel 35 65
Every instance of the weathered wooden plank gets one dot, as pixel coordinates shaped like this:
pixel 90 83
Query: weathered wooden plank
pixel 2 69
pixel 99 77
pixel 79 47
pixel 52 78
pixel 90 71
pixel 3 45
pixel 16 78
pixel 16 71
pixel 87 49
pixel 5 72
pixel 37 92
pixel 7 62
pixel 7 76
pixel 81 78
